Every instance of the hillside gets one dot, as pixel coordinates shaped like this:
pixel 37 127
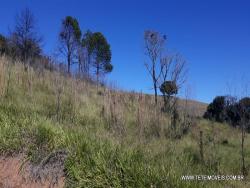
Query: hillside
pixel 60 128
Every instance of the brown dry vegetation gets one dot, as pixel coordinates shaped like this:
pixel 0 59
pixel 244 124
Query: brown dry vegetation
pixel 112 138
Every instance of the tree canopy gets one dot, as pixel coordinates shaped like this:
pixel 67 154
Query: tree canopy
pixel 70 36
pixel 99 52
pixel 228 109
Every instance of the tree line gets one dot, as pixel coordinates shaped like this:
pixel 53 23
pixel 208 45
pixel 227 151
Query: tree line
pixel 230 110
pixel 90 50
pixel 91 53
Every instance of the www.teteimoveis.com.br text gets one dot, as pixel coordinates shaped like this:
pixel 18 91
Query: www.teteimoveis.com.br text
pixel 212 177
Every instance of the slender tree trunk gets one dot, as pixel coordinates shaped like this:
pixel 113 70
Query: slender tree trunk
pixel 68 63
pixel 155 90
pixel 155 84
pixel 165 101
pixel 80 67
pixel 97 74
pixel 87 66
pixel 168 105
pixel 242 148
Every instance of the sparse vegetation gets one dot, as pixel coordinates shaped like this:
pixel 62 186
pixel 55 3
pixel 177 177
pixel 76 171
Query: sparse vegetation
pixel 115 149
pixel 65 130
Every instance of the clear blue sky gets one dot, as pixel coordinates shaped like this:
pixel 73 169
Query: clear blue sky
pixel 213 35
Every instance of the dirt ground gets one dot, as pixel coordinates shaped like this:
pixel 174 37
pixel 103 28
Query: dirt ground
pixel 12 177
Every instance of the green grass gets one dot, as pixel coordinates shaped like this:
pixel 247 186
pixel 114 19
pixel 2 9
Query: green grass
pixel 106 152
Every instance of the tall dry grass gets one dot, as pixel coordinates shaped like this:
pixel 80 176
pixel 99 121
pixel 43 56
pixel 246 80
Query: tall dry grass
pixel 113 138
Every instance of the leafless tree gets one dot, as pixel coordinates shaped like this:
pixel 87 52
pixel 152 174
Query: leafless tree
pixel 154 47
pixel 173 74
pixel 24 38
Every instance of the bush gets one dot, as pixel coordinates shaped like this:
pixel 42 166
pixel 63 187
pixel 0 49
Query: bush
pixel 216 109
pixel 169 88
pixel 228 109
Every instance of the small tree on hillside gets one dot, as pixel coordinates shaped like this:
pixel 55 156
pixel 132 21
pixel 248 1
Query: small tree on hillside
pixel 25 41
pixel 69 36
pixel 154 46
pixel 173 76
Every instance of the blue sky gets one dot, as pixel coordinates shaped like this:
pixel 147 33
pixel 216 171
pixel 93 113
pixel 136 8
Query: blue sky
pixel 212 35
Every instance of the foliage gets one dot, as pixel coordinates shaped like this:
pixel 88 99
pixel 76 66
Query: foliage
pixel 70 35
pixel 108 67
pixel 98 155
pixel 71 30
pixel 99 52
pixel 169 88
pixel 216 109
pixel 228 109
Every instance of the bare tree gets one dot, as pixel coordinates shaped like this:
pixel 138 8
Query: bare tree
pixel 172 77
pixel 24 38
pixel 154 47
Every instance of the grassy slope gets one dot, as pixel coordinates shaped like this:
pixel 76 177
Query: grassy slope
pixel 113 139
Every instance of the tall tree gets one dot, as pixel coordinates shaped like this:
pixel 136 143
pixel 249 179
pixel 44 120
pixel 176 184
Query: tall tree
pixel 88 46
pixel 24 38
pixel 70 36
pixel 99 53
pixel 154 47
